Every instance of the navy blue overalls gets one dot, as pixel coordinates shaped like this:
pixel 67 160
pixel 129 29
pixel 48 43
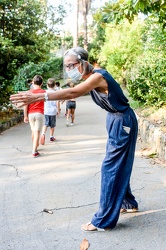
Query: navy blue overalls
pixel 122 128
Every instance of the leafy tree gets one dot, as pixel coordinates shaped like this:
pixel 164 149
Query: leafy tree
pixel 25 35
pixel 51 68
pixel 120 50
pixel 98 33
pixel 68 42
pixel 145 67
pixel 118 10
pixel 147 79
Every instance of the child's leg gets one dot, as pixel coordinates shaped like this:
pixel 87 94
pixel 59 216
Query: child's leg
pixel 68 113
pixel 32 125
pixel 52 127
pixel 52 138
pixel 42 139
pixel 32 122
pixel 36 141
pixel 68 117
pixel 58 107
pixel 44 130
pixel 66 108
pixel 51 132
pixel 36 123
pixel 72 115
pixel 39 119
pixel 32 136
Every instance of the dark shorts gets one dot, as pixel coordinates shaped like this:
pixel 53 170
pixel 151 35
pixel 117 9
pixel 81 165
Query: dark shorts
pixel 71 105
pixel 50 121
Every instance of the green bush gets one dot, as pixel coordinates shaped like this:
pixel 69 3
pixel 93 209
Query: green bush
pixel 6 90
pixel 147 80
pixel 122 45
pixel 52 68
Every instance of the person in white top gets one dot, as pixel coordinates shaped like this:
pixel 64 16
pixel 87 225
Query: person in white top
pixel 50 112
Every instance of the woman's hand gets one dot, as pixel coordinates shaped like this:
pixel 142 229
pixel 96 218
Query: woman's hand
pixel 24 98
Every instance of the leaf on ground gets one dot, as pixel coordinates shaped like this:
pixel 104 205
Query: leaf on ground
pixel 152 155
pixel 84 245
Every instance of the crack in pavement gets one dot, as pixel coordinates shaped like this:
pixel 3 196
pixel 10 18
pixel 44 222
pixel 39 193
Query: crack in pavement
pixel 19 150
pixel 26 180
pixel 11 166
pixel 72 207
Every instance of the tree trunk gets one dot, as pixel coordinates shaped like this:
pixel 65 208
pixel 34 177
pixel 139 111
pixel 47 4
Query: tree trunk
pixel 75 36
pixel 85 32
pixel 85 7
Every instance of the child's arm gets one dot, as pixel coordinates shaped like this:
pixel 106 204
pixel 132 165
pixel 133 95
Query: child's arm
pixel 58 107
pixel 26 114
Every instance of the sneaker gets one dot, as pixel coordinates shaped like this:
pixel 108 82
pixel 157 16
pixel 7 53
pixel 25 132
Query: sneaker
pixel 36 154
pixel 72 124
pixel 42 140
pixel 67 123
pixel 52 139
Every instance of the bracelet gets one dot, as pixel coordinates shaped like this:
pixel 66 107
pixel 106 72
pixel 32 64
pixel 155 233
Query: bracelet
pixel 45 96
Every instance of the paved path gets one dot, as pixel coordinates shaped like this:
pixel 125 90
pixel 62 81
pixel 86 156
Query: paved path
pixel 66 179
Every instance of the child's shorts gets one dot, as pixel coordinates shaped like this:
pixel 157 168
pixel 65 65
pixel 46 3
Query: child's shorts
pixel 36 121
pixel 50 121
pixel 71 105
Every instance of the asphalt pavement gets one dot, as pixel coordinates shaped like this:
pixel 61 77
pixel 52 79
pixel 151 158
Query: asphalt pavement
pixel 66 180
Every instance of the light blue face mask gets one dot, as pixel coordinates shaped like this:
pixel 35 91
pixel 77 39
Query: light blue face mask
pixel 74 74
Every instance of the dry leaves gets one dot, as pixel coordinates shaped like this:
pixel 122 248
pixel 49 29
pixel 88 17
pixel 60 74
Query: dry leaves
pixel 84 245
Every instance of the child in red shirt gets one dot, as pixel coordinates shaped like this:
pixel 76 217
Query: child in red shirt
pixel 34 114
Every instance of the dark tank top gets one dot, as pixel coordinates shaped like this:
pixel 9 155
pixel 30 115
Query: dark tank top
pixel 115 101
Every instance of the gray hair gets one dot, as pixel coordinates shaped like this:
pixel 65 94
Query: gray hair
pixel 79 52
pixel 82 56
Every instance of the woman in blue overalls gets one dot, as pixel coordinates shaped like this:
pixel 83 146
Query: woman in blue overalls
pixel 122 128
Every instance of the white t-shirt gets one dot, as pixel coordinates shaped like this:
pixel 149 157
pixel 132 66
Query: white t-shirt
pixel 58 88
pixel 50 107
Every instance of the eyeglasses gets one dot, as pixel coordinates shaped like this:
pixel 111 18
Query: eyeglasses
pixel 70 65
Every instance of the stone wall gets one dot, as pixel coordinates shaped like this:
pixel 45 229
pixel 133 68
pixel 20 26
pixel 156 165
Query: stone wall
pixel 153 137
pixel 13 121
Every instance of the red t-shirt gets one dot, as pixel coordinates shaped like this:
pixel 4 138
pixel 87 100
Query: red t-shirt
pixel 36 107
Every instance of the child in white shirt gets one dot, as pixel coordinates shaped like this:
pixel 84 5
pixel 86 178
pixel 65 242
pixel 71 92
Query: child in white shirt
pixel 50 112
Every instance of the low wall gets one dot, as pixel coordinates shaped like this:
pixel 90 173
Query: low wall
pixel 153 137
pixel 13 121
